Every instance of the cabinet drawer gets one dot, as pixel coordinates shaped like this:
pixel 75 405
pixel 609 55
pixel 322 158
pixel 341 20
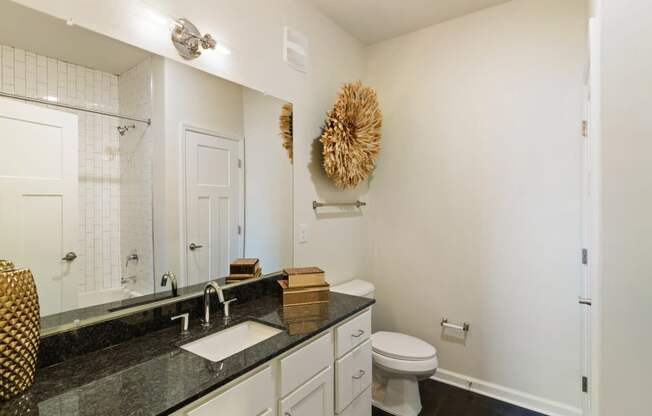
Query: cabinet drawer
pixel 352 375
pixel 302 365
pixel 352 333
pixel 360 406
pixel 236 401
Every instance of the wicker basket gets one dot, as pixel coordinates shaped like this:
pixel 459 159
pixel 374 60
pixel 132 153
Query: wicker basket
pixel 19 330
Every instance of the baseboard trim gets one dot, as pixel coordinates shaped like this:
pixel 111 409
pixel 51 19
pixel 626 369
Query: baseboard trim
pixel 505 394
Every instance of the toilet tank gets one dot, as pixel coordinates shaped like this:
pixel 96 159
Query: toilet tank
pixel 355 287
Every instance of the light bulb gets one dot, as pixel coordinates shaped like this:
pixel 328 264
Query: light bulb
pixel 161 20
pixel 222 49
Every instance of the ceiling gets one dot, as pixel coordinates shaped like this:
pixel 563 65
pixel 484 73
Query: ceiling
pixel 372 21
pixel 43 34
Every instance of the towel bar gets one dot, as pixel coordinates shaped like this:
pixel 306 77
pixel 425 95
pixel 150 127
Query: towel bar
pixel 357 204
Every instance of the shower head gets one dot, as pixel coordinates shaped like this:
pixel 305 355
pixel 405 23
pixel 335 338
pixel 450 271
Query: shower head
pixel 124 129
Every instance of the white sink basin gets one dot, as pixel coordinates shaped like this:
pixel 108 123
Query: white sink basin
pixel 232 340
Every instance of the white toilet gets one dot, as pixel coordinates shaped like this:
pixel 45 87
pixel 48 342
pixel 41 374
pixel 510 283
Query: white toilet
pixel 399 362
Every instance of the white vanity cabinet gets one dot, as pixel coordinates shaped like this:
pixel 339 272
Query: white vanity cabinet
pixel 353 358
pixel 330 374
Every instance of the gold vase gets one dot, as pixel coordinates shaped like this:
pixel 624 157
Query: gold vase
pixel 19 330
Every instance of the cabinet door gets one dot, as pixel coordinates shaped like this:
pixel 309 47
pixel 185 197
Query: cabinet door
pixel 239 399
pixel 360 406
pixel 314 398
pixel 303 364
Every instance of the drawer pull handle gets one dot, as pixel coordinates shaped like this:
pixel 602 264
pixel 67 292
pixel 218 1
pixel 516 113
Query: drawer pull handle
pixel 361 374
pixel 359 334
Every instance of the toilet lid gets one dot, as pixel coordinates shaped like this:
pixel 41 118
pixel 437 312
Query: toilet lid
pixel 401 346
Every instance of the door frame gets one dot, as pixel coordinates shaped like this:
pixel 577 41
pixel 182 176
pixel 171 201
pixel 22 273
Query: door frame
pixel 183 193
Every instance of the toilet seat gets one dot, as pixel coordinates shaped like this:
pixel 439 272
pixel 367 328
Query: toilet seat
pixel 403 354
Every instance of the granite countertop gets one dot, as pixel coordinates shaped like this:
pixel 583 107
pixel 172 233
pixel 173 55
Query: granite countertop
pixel 152 375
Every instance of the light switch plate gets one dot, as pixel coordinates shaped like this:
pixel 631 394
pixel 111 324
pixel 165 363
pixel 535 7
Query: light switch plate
pixel 303 233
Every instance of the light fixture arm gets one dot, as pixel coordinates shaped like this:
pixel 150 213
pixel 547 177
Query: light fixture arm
pixel 207 41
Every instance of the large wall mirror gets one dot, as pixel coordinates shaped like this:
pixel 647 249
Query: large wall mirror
pixel 117 166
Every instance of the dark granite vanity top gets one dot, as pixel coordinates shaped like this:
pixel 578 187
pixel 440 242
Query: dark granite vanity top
pixel 151 375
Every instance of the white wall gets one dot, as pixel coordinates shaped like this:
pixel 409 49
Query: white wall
pixel 192 99
pixel 268 183
pixel 626 286
pixel 475 205
pixel 256 40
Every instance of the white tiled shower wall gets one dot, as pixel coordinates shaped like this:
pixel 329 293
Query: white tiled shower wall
pixel 136 153
pixel 33 75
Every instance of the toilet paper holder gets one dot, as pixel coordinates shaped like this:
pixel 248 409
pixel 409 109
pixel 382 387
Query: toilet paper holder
pixel 464 327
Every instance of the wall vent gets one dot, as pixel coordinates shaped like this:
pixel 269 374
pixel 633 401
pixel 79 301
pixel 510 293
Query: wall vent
pixel 295 49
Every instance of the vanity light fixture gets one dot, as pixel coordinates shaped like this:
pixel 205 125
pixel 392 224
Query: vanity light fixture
pixel 188 40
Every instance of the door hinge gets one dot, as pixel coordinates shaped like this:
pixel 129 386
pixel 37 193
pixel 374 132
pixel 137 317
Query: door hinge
pixel 239 163
pixel 585 128
pixel 585 384
pixel 239 229
pixel 585 256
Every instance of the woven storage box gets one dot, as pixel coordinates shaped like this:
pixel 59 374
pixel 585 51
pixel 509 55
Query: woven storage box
pixel 19 330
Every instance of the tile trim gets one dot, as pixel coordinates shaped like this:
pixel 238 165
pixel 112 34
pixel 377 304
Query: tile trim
pixel 505 394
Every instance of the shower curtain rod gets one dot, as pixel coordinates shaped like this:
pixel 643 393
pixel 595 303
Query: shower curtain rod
pixel 74 107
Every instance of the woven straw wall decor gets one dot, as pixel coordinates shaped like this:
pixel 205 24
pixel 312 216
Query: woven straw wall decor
pixel 351 136
pixel 19 330
pixel 287 128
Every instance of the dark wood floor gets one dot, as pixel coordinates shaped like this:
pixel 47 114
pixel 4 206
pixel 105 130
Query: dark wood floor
pixel 440 399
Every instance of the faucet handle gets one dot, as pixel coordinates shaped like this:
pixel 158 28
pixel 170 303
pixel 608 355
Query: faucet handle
pixel 185 318
pixel 227 303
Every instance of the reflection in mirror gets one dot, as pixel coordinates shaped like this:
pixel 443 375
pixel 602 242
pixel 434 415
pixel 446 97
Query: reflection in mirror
pixel 119 166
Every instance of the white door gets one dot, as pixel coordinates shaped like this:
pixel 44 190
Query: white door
pixel 314 398
pixel 213 188
pixel 585 286
pixel 590 211
pixel 38 199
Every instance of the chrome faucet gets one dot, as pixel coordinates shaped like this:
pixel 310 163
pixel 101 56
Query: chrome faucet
pixel 173 280
pixel 211 286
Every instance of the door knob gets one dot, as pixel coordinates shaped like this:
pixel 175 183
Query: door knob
pixel 70 256
pixel 194 246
